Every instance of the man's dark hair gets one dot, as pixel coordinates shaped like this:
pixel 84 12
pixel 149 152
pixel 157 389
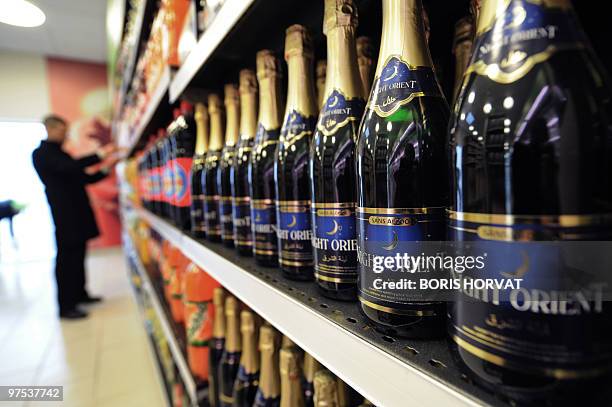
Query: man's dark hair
pixel 53 120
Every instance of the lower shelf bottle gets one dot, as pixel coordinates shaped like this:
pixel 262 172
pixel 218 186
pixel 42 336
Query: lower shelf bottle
pixel 311 367
pixel 268 394
pixel 247 380
pixel 291 375
pixel 326 390
pixel 217 345
pixel 230 361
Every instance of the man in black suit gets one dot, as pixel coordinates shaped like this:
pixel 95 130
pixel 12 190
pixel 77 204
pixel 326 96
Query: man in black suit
pixel 65 178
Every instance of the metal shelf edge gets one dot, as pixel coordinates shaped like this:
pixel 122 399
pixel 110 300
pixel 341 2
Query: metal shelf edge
pixel 222 24
pixel 403 384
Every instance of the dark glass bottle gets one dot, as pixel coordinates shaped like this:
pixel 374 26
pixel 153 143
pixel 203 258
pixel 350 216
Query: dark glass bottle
pixel 332 158
pixel 290 376
pixel 365 60
pixel 230 361
pixel 198 225
pixel 232 113
pixel 320 77
pixel 247 379
pixel 311 367
pixel 167 169
pixel 184 146
pixel 531 160
pixel 462 49
pixel 217 346
pixel 158 174
pixel 268 394
pixel 211 168
pixel 291 160
pixel 261 167
pixel 241 200
pixel 402 174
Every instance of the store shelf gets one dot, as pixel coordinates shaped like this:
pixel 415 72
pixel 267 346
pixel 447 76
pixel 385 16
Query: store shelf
pixel 388 371
pixel 130 140
pixel 224 21
pixel 177 354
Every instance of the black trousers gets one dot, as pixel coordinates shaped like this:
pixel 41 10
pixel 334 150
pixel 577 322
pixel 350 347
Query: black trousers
pixel 70 275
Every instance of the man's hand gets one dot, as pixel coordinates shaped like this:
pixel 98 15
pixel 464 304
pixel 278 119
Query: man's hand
pixel 106 150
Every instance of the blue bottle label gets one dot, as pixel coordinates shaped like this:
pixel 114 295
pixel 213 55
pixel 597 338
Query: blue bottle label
pixel 383 234
pixel 225 218
pixel 241 209
pixel 524 35
pixel 263 221
pixel 557 323
pixel 335 242
pixel 296 125
pixel 211 215
pixel 294 233
pixel 197 213
pixel 338 111
pixel 399 83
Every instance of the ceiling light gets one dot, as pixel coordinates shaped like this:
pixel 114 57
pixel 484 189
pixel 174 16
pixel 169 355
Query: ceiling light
pixel 21 13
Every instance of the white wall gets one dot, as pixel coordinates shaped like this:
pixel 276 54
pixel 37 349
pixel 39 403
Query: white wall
pixel 24 89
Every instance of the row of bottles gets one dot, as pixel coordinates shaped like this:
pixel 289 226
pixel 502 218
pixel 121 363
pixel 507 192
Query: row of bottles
pixel 253 365
pixel 337 182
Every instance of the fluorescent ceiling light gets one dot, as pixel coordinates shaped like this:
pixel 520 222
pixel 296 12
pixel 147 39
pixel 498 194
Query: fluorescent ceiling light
pixel 21 13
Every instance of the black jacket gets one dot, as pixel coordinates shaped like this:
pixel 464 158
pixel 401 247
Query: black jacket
pixel 65 180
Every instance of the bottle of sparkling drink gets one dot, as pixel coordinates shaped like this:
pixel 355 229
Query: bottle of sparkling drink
pixel 184 146
pixel 326 390
pixel 365 60
pixel 224 183
pixel 217 345
pixel 268 394
pixel 290 375
pixel 247 379
pixel 311 367
pixel 167 169
pixel 198 225
pixel 531 156
pixel 230 361
pixel 241 200
pixel 261 166
pixel 199 317
pixel 332 158
pixel 402 175
pixel 158 174
pixel 291 161
pixel 462 49
pixel 211 168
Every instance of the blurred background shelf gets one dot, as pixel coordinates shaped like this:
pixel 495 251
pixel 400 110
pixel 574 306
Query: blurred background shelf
pixel 388 371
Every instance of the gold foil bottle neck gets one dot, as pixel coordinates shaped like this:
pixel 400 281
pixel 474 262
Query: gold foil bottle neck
pixel 232 113
pixel 267 64
pixel 201 119
pixel 219 321
pixel 403 34
pixel 248 328
pixel 248 101
pixel 269 382
pixel 233 341
pixel 215 111
pixel 298 42
pixel 291 387
pixel 311 367
pixel 339 13
pixel 325 390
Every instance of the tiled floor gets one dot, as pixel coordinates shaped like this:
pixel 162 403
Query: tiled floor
pixel 101 361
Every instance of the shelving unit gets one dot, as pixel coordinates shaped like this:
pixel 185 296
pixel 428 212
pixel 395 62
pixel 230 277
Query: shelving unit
pixel 178 356
pixel 388 371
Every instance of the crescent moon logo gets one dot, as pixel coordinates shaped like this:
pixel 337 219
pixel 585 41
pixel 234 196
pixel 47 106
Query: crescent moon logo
pixel 293 222
pixel 393 244
pixel 335 102
pixel 393 75
pixel 335 230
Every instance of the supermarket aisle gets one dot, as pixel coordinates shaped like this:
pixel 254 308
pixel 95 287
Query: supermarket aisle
pixel 101 361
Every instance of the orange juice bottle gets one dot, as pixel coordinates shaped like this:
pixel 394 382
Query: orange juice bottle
pixel 199 312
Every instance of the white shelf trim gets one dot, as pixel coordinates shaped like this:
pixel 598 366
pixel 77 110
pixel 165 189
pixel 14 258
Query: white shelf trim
pixel 223 22
pixel 380 377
